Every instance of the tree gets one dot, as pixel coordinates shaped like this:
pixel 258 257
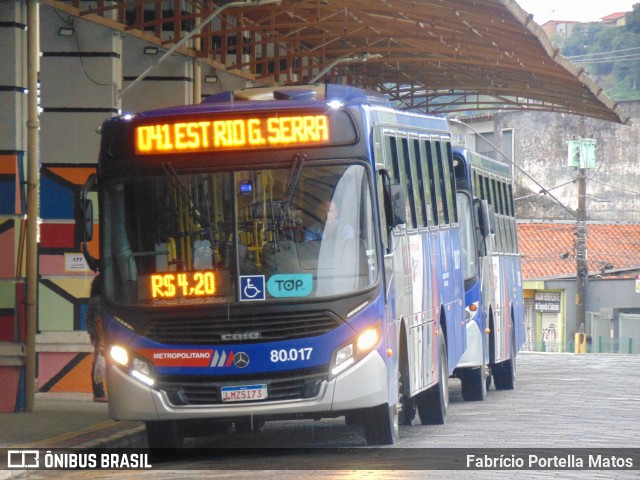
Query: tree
pixel 633 20
pixel 610 54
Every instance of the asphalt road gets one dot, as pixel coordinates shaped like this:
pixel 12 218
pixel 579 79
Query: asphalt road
pixel 562 403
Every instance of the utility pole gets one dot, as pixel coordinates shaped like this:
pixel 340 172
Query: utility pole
pixel 582 266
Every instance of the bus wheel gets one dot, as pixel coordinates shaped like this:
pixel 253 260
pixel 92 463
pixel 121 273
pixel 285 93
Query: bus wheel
pixel 164 434
pixel 474 383
pixel 407 413
pixel 249 424
pixel 433 403
pixel 381 425
pixel 504 373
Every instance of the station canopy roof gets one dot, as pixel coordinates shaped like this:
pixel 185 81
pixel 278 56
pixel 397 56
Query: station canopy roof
pixel 437 56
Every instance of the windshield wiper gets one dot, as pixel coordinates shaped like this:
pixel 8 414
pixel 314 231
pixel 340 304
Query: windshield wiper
pixel 292 184
pixel 186 197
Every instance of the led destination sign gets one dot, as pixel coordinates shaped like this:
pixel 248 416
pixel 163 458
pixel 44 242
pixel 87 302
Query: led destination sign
pixel 183 288
pixel 226 134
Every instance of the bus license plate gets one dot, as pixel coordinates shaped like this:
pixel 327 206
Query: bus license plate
pixel 244 393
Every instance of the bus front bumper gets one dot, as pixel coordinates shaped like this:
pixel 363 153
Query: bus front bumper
pixel 363 385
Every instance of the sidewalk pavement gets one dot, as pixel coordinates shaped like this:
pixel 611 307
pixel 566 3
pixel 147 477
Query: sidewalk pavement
pixel 68 420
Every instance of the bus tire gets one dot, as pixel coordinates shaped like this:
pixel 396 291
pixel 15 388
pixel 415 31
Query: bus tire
pixel 381 426
pixel 474 384
pixel 504 373
pixel 434 402
pixel 407 404
pixel 164 434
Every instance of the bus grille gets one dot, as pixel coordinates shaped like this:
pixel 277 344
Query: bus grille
pixel 233 329
pixel 183 391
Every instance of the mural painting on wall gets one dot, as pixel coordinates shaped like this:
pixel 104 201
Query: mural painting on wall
pixel 12 238
pixel 65 279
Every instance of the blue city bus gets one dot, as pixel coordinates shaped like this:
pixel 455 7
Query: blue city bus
pixel 494 301
pixel 278 253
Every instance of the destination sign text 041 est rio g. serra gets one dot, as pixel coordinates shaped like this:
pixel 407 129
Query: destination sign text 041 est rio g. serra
pixel 227 134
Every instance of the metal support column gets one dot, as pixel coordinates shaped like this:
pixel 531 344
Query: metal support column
pixel 33 188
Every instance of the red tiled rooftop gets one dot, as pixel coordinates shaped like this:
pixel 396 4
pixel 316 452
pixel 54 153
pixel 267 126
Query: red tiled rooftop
pixel 614 16
pixel 543 244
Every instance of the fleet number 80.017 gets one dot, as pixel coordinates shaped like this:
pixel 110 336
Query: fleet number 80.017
pixel 291 355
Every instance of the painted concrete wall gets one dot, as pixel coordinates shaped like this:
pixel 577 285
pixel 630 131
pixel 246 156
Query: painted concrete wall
pixel 78 76
pixel 13 76
pixel 540 144
pixel 170 83
pixel 604 297
pixel 13 140
pixel 13 115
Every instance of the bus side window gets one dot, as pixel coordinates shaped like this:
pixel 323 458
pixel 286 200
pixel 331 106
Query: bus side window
pixel 420 186
pixel 514 229
pixel 449 182
pixel 392 165
pixel 495 191
pixel 507 220
pixel 487 191
pixel 479 186
pixel 474 182
pixel 443 206
pixel 400 173
pixel 391 153
pixel 429 196
pixel 434 183
pixel 503 217
pixel 410 185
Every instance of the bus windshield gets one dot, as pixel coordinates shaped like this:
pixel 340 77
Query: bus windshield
pixel 184 238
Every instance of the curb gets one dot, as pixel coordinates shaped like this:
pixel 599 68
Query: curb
pixel 133 437
pixel 130 438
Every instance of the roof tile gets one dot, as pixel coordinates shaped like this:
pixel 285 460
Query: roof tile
pixel 548 248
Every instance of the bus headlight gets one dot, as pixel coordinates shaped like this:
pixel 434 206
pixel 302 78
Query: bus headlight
pixel 367 340
pixel 119 355
pixel 344 359
pixel 142 371
pixel 138 368
pixel 349 354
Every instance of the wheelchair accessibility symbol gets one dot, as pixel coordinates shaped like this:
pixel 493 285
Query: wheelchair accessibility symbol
pixel 252 287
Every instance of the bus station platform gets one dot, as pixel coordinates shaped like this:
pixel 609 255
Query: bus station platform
pixel 68 420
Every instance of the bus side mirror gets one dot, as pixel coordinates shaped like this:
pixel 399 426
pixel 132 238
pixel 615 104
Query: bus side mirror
pixel 397 201
pixel 484 223
pixel 394 202
pixel 84 222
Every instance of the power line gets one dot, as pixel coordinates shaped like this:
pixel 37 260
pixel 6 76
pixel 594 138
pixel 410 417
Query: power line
pixel 609 59
pixel 543 191
pixel 525 173
pixel 574 57
pixel 634 192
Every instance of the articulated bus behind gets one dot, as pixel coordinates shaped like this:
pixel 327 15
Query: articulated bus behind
pixel 493 282
pixel 282 253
